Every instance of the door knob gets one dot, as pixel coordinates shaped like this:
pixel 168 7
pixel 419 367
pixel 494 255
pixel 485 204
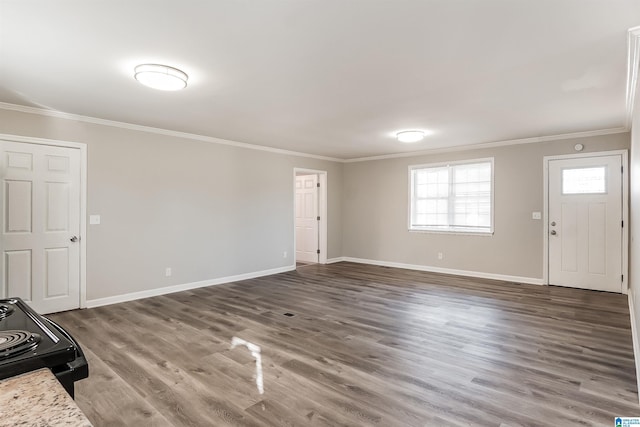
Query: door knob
pixel 553 232
pixel 74 239
pixel 553 223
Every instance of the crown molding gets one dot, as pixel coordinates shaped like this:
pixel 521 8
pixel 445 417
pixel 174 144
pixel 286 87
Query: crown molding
pixel 159 131
pixel 468 147
pixel 209 139
pixel 633 59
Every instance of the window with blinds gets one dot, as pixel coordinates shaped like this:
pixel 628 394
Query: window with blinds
pixel 455 197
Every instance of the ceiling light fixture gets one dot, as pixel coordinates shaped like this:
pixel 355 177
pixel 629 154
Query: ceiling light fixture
pixel 161 77
pixel 410 136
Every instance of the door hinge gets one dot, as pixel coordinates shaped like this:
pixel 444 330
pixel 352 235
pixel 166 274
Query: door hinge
pixel 318 251
pixel 318 185
pixel 622 224
pixel 622 278
pixel 318 218
pixel 621 169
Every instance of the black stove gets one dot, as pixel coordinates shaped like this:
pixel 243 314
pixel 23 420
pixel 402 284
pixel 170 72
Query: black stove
pixel 29 341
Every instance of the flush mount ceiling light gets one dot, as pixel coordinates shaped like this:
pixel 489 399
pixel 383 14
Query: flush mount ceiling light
pixel 410 136
pixel 161 77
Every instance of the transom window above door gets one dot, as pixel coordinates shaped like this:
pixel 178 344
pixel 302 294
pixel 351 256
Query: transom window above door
pixel 452 197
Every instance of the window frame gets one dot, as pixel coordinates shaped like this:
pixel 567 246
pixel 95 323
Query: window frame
pixel 449 229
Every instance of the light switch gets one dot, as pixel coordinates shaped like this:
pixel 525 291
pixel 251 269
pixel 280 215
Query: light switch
pixel 94 219
pixel 536 215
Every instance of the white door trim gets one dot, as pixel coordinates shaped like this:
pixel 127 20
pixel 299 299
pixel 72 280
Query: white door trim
pixel 83 199
pixel 625 210
pixel 322 210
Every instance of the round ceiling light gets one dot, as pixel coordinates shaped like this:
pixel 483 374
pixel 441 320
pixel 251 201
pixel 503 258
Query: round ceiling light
pixel 161 77
pixel 410 136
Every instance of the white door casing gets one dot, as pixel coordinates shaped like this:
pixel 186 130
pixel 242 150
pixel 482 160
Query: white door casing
pixel 41 200
pixel 307 218
pixel 585 222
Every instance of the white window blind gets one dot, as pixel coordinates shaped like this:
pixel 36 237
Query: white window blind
pixel 455 197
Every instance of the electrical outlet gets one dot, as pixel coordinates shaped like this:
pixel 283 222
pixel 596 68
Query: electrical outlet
pixel 440 256
pixel 167 271
pixel 284 254
pixel 536 215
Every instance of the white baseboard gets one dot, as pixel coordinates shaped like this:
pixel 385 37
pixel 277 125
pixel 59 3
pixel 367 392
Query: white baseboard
pixel 634 337
pixel 479 274
pixel 212 282
pixel 184 287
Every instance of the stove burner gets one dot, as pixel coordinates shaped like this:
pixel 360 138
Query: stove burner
pixel 5 311
pixel 15 342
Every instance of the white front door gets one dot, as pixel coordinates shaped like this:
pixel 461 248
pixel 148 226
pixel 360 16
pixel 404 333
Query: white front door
pixel 585 222
pixel 40 220
pixel 307 218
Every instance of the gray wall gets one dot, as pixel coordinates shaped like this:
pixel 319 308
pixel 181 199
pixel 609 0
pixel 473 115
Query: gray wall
pixel 376 202
pixel 205 210
pixel 210 211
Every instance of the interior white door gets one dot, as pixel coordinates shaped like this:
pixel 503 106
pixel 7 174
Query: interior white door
pixel 40 220
pixel 585 222
pixel 307 218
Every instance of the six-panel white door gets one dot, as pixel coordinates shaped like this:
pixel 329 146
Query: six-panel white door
pixel 307 218
pixel 585 223
pixel 40 220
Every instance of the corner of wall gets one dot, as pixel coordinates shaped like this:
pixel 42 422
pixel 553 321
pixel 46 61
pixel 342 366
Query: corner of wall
pixel 634 336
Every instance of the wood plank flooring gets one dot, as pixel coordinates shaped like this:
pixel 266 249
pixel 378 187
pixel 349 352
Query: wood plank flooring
pixel 366 346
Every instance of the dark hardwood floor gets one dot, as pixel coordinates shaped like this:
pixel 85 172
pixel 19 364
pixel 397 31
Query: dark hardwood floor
pixel 367 346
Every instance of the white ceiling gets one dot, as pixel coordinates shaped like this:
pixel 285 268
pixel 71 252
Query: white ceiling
pixel 328 77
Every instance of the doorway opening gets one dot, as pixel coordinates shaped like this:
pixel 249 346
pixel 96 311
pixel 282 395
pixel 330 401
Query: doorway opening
pixel 310 216
pixel 585 224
